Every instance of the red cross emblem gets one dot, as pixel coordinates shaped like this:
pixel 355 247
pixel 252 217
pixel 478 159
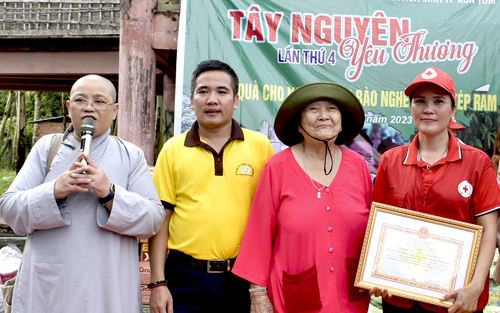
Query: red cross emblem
pixel 429 73
pixel 465 189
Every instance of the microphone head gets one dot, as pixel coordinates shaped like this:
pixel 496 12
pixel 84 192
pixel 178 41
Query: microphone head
pixel 88 126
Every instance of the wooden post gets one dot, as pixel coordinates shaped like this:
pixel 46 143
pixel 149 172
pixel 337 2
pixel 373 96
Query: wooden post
pixel 137 77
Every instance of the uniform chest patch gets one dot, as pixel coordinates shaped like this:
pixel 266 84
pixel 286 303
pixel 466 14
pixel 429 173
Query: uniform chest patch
pixel 465 189
pixel 245 170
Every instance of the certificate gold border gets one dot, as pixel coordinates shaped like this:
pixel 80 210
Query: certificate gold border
pixel 451 281
pixel 368 245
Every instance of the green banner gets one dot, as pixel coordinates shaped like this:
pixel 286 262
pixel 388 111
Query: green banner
pixel 373 47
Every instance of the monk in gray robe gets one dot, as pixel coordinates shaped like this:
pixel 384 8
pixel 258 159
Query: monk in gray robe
pixel 83 218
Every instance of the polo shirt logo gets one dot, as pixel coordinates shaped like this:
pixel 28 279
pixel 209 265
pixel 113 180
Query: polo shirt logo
pixel 465 189
pixel 245 170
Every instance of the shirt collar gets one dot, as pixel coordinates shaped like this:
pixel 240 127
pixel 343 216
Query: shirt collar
pixel 193 136
pixel 454 151
pixel 75 143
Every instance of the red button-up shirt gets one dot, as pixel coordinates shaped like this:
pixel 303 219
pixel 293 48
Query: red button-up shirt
pixel 461 186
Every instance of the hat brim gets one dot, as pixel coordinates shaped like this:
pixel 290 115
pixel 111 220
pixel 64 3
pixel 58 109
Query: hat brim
pixel 288 117
pixel 410 89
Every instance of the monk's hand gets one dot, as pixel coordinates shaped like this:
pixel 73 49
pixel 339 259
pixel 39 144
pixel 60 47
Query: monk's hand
pixel 99 181
pixel 72 180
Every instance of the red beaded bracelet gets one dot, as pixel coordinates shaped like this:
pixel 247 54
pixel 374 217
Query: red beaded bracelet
pixel 158 284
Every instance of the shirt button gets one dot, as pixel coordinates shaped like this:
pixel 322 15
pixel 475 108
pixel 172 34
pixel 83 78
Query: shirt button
pixel 430 171
pixel 218 159
pixel 330 229
pixel 327 208
pixel 332 269
pixel 327 190
pixel 330 249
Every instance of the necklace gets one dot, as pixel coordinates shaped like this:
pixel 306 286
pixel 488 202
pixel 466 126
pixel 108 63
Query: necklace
pixel 428 166
pixel 307 171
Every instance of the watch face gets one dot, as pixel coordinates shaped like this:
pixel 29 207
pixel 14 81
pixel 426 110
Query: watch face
pixel 112 187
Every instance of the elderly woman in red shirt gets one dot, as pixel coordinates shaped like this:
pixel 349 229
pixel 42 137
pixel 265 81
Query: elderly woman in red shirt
pixel 437 174
pixel 306 227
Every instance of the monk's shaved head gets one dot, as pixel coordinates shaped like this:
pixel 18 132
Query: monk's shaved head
pixel 87 90
pixel 96 78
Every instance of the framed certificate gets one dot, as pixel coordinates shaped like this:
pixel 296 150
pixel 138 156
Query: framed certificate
pixel 416 255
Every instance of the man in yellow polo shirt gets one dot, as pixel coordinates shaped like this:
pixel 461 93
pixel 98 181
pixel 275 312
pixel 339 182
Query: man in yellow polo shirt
pixel 206 179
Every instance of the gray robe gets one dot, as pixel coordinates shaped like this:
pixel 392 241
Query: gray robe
pixel 79 256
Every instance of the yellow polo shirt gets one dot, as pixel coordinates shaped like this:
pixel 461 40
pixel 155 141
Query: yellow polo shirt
pixel 212 193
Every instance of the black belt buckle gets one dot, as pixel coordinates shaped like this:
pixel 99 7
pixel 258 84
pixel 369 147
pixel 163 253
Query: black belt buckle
pixel 209 266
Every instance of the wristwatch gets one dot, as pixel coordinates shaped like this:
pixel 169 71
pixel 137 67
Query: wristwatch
pixel 110 195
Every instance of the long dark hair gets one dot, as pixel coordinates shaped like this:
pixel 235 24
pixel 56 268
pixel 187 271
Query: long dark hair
pixel 496 148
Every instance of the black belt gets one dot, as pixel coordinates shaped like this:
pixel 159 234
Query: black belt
pixel 210 266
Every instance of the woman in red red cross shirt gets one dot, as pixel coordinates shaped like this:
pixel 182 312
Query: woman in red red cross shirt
pixel 436 174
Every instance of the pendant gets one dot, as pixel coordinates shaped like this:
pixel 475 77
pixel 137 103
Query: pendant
pixel 319 194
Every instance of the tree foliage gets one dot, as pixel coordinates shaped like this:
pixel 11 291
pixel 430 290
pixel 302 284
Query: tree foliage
pixel 50 106
pixel 482 130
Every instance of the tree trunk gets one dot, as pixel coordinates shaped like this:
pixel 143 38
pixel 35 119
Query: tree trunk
pixel 63 109
pixel 9 151
pixel 158 126
pixel 19 144
pixel 36 116
pixel 8 145
pixel 114 127
pixel 6 115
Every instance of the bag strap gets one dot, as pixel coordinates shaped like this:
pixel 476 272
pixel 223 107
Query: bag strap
pixel 53 150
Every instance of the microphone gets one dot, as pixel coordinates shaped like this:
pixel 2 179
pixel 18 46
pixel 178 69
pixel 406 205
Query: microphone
pixel 86 132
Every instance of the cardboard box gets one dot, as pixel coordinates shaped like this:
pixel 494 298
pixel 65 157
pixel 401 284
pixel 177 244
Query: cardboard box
pixel 144 252
pixel 146 309
pixel 145 273
pixel 145 294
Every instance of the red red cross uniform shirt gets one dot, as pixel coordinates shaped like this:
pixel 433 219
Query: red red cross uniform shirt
pixel 461 186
